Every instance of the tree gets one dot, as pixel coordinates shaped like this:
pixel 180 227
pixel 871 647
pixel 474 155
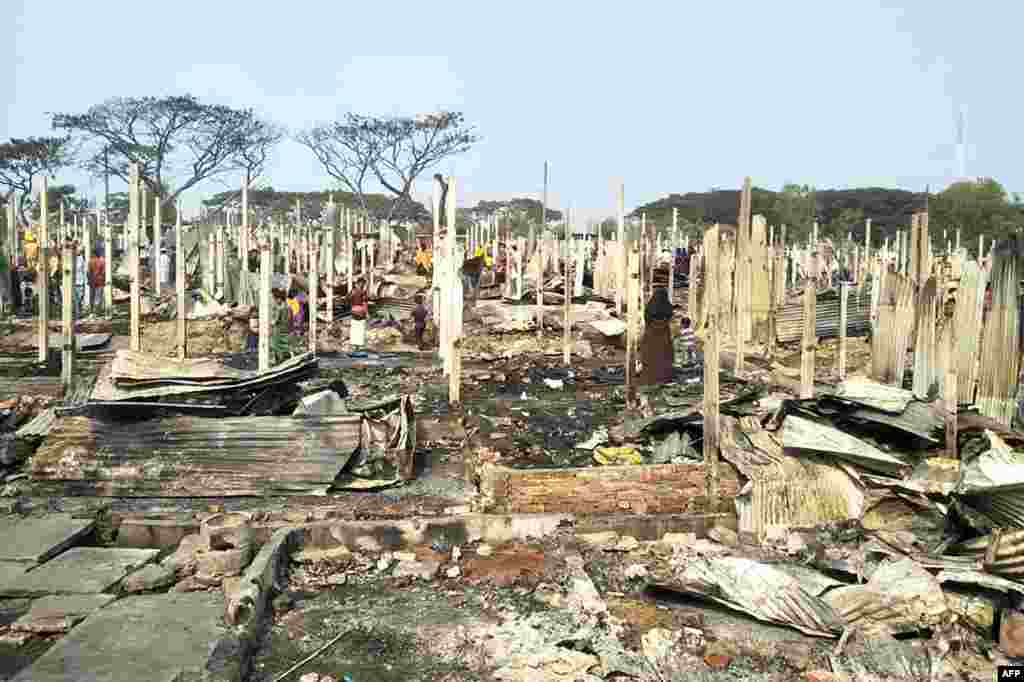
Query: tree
pixel 271 204
pixel 975 207
pixel 169 136
pixel 393 151
pixel 21 160
pixel 845 222
pixel 796 208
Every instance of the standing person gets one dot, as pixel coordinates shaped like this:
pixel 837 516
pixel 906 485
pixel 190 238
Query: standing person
pixel 164 267
pixel 6 290
pixel 419 316
pixel 81 279
pixel 359 302
pixel 97 279
pixel 280 344
pixel 656 346
pixel 688 341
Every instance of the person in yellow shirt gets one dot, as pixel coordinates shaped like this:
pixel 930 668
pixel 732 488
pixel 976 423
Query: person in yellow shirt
pixel 483 253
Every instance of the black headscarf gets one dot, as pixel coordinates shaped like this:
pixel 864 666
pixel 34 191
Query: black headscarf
pixel 659 307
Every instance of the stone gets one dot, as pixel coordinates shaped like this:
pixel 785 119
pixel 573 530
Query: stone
pixel 222 563
pixel 81 570
pixel 725 536
pixel 55 614
pixel 310 677
pixel 484 550
pixel 152 637
pixel 552 663
pixel 453 572
pixel 38 540
pixel 635 572
pixel 149 578
pixel 426 569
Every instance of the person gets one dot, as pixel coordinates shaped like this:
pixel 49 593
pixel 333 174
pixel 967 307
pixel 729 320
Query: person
pixel 419 316
pixel 6 295
pixel 360 309
pixel 80 280
pixel 656 345
pixel 164 267
pixel 252 339
pixel 97 279
pixel 688 341
pixel 280 346
pixel 295 310
pixel 31 249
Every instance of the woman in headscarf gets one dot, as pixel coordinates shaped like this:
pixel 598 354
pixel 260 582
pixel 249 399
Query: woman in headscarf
pixel 656 351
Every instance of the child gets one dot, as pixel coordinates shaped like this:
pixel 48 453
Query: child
pixel 419 315
pixel 688 341
pixel 295 325
pixel 252 340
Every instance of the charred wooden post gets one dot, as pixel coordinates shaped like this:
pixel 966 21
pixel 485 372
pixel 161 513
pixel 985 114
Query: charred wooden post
pixel 314 290
pixel 155 258
pixel 179 284
pixel 950 392
pixel 810 338
pixel 13 242
pixel 454 301
pixel 632 298
pixel 540 286
pixel 108 275
pixel 331 252
pixel 134 276
pixel 844 298
pixel 43 278
pixel 672 257
pixel 68 317
pixel 265 314
pixel 712 336
pixel 567 287
pixel 741 300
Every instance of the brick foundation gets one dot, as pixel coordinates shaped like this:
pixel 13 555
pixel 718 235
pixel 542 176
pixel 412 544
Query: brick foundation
pixel 645 489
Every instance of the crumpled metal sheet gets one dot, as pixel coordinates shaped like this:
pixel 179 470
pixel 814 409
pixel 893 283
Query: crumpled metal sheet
pixel 768 592
pixel 803 435
pixel 991 484
pixel 874 395
pixel 387 449
pixel 900 597
pixel 1001 552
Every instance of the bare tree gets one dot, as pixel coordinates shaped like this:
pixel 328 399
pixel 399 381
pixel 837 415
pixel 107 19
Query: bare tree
pixel 394 151
pixel 167 137
pixel 21 160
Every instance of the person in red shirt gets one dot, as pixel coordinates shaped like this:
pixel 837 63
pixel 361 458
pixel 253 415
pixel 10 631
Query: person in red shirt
pixel 359 301
pixel 97 273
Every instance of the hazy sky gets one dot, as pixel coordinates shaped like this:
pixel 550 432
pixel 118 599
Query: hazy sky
pixel 666 96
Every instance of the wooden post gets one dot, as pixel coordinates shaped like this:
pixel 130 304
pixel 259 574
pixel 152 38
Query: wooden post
pixel 43 278
pixel 809 334
pixel 108 275
pixel 621 267
pixel 951 400
pixel 68 317
pixel 264 322
pixel 332 230
pixel 632 280
pixel 568 284
pixel 672 257
pixel 844 296
pixel 540 280
pixel 712 335
pixel 314 287
pixel 981 247
pixel 134 276
pixel 155 250
pixel 455 303
pixel 867 239
pixel 741 307
pixel 179 283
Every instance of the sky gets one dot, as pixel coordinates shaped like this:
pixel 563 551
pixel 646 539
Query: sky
pixel 661 96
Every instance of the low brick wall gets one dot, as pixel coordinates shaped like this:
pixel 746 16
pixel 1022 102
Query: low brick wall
pixel 646 489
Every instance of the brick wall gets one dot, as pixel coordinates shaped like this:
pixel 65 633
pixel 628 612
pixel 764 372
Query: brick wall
pixel 647 489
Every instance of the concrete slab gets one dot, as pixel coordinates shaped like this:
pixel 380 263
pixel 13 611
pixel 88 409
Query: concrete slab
pixel 82 570
pixel 53 614
pixel 37 540
pixel 156 637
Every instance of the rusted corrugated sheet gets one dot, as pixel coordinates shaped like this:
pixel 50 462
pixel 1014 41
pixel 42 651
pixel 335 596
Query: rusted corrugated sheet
pixel 134 368
pixel 790 318
pixel 240 456
pixel 803 435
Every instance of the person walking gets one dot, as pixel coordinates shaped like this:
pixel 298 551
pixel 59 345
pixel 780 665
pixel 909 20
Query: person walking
pixel 97 280
pixel 359 302
pixel 419 316
pixel 656 350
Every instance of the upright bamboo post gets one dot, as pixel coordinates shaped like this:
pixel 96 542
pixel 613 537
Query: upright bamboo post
pixel 621 268
pixel 568 284
pixel 672 258
pixel 540 282
pixel 810 338
pixel 87 254
pixel 632 280
pixel 43 279
pixel 108 275
pixel 134 222
pixel 264 321
pixel 455 303
pixel 68 327
pixel 156 245
pixel 332 230
pixel 741 306
pixel 951 401
pixel 314 288
pixel 12 232
pixel 712 335
pixel 844 297
pixel 179 283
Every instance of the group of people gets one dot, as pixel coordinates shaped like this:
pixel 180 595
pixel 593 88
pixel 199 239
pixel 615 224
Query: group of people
pixel 20 284
pixel 657 351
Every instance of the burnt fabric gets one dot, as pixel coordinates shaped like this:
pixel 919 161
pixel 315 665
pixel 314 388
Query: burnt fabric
pixel 656 353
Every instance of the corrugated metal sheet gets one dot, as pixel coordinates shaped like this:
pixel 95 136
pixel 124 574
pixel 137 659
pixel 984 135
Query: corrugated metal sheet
pixel 134 368
pixel 803 435
pixel 243 456
pixel 790 318
pixel 38 427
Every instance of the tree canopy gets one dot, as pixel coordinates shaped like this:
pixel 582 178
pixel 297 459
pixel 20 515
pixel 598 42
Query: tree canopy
pixel 170 137
pixel 391 151
pixel 279 206
pixel 22 160
pixel 975 207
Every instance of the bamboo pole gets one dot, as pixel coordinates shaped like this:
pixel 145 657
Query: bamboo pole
pixel 455 303
pixel 332 230
pixel 43 277
pixel 631 277
pixel 741 305
pixel 134 222
pixel 68 317
pixel 87 254
pixel 264 320
pixel 568 284
pixel 844 297
pixel 672 257
pixel 314 288
pixel 179 284
pixel 951 400
pixel 621 267
pixel 712 335
pixel 809 334
pixel 156 246
pixel 108 274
